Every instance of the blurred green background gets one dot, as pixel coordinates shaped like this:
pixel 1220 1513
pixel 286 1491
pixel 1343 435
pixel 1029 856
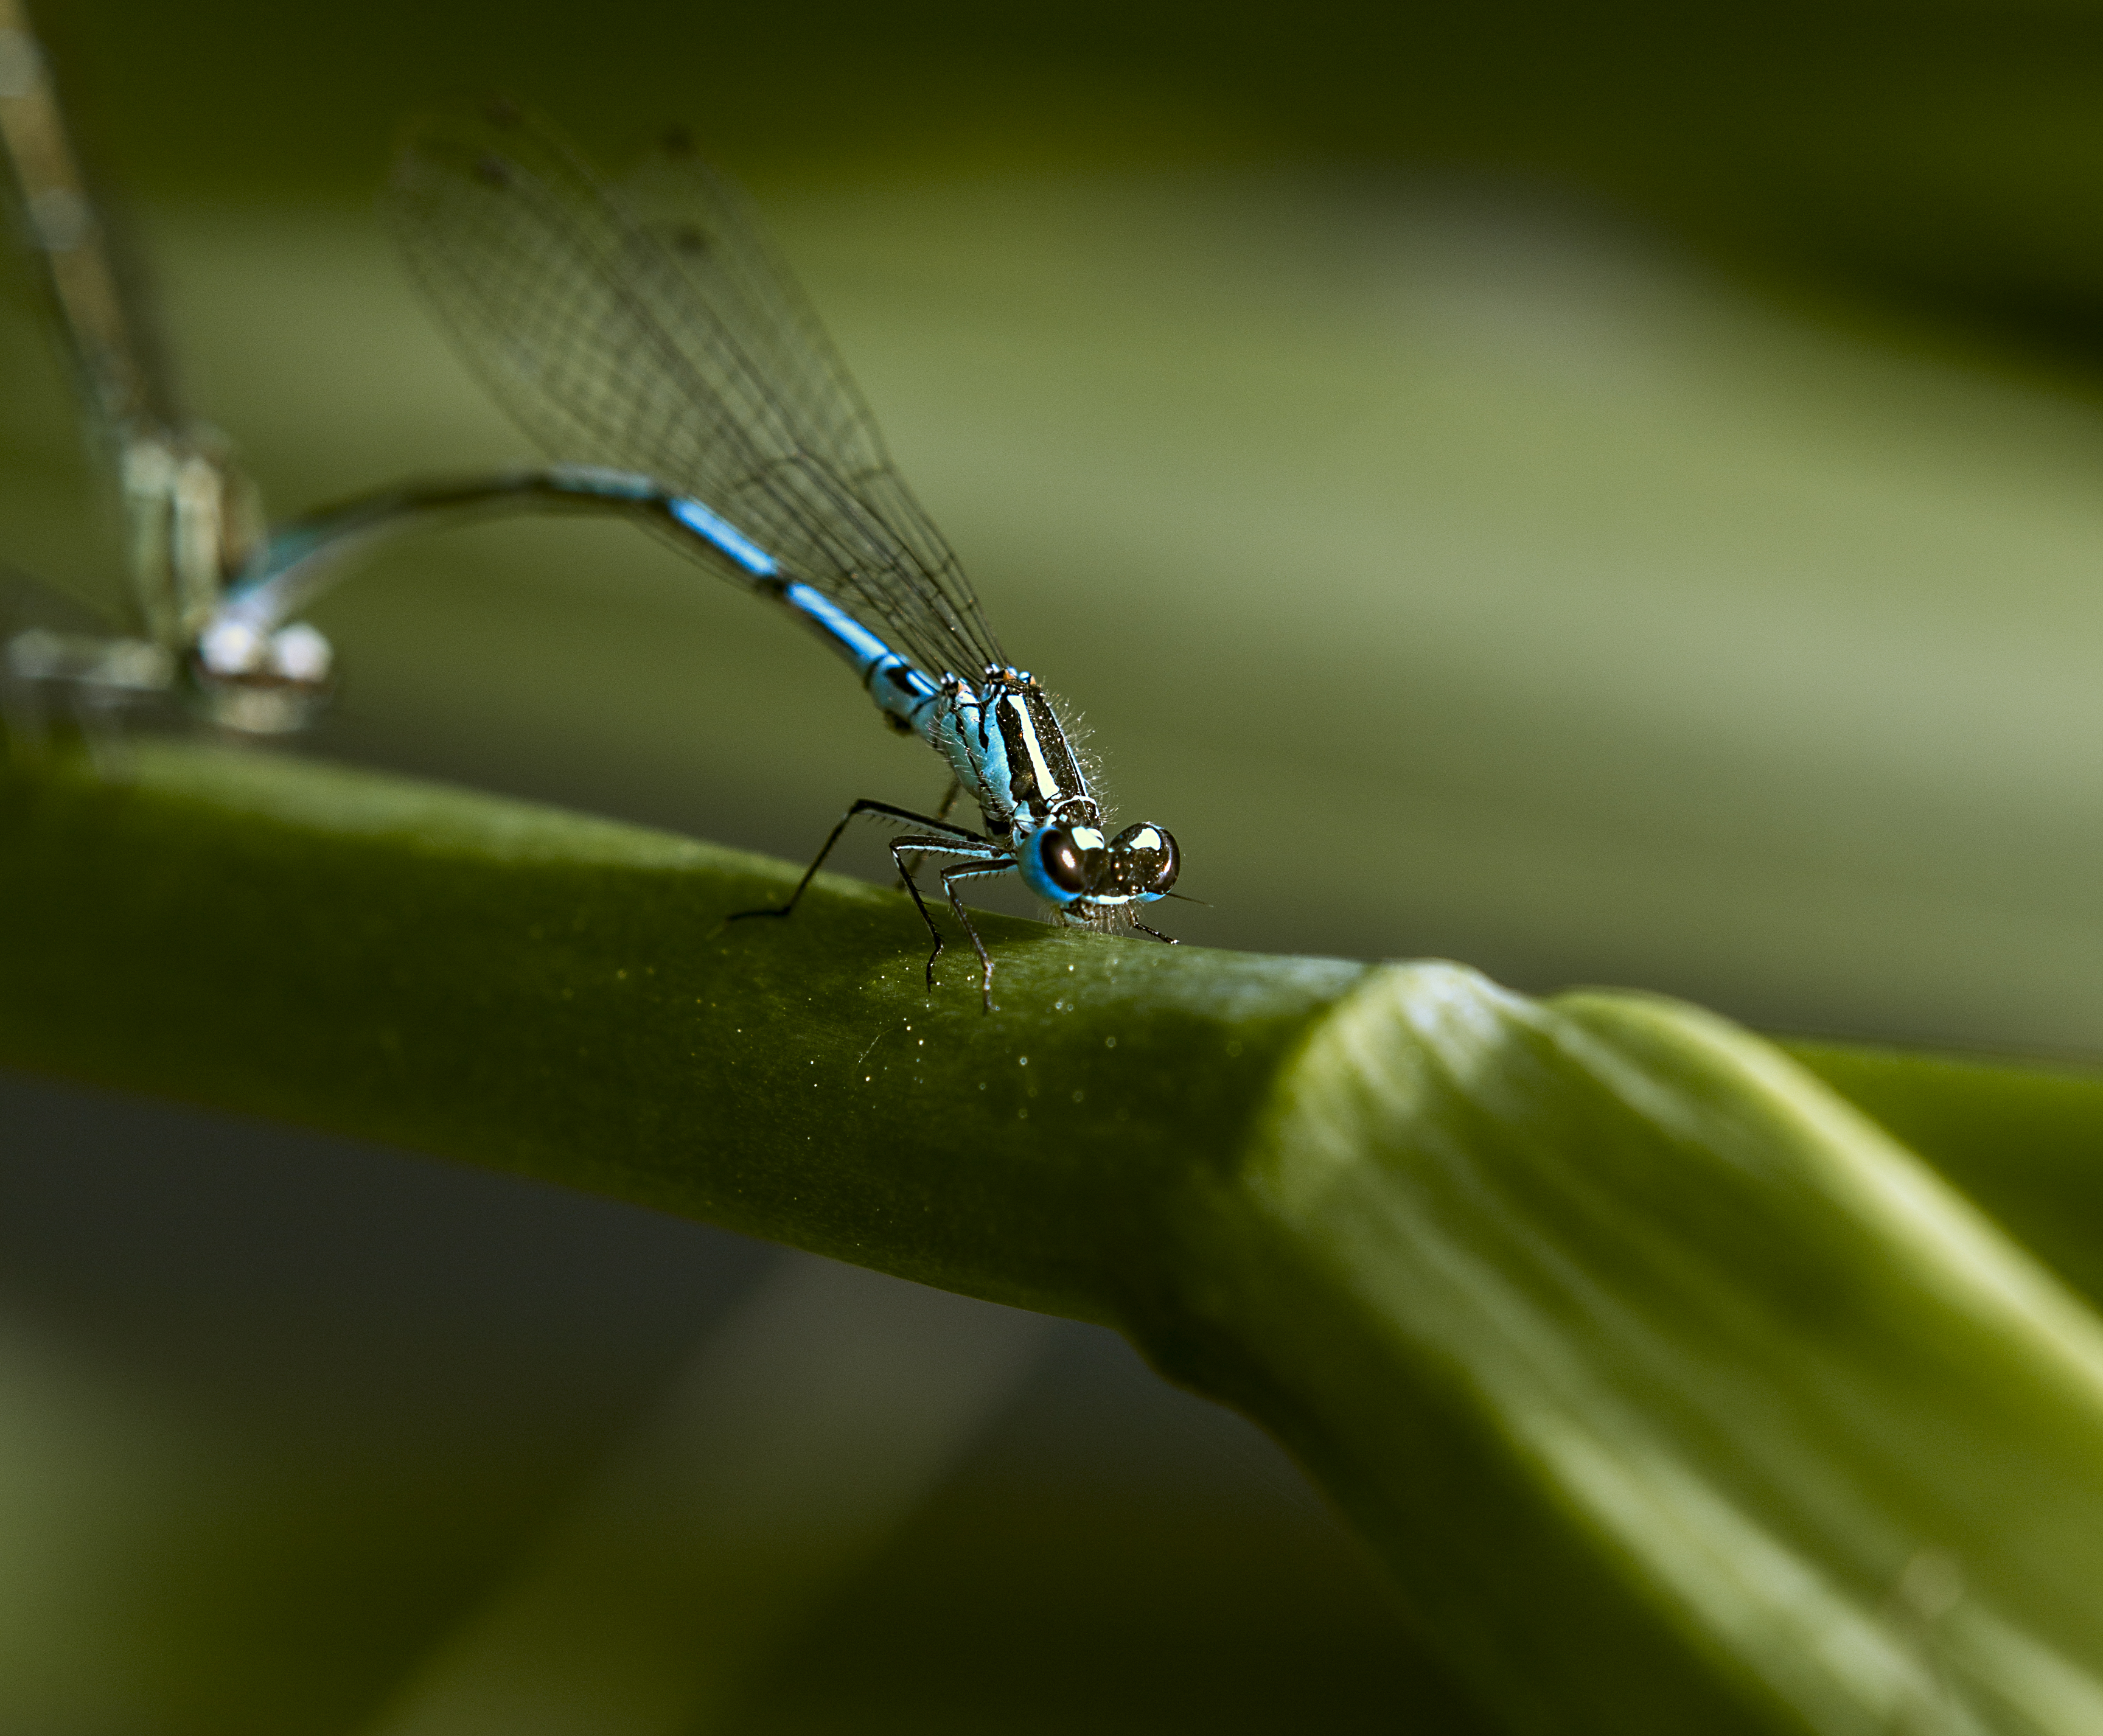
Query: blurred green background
pixel 1607 493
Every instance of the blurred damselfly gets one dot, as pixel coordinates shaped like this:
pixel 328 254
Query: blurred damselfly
pixel 191 517
pixel 211 588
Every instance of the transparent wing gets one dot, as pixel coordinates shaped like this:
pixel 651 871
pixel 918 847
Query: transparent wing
pixel 27 604
pixel 194 518
pixel 649 326
pixel 93 279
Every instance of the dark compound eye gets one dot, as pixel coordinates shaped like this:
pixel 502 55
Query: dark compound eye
pixel 1146 858
pixel 1065 863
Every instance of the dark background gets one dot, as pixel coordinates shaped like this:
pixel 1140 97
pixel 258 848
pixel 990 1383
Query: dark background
pixel 1606 493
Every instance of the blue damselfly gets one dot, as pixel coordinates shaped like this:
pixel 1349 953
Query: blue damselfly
pixel 647 328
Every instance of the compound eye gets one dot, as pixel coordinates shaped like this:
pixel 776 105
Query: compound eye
pixel 1147 858
pixel 298 653
pixel 232 648
pixel 1065 863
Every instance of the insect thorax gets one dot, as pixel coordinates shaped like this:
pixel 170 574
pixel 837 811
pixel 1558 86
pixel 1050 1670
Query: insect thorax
pixel 1004 741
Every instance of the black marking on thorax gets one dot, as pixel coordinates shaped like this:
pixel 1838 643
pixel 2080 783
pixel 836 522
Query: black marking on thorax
pixel 1042 776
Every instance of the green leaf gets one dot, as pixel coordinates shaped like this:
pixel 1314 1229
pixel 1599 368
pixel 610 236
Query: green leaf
pixel 1674 1393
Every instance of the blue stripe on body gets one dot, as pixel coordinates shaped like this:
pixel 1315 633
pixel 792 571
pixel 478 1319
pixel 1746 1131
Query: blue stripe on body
pixel 298 560
pixel 605 484
pixel 902 691
pixel 978 755
pixel 711 526
pixel 726 536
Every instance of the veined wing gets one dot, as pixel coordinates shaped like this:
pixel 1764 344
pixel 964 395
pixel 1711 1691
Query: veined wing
pixel 193 516
pixel 93 284
pixel 649 326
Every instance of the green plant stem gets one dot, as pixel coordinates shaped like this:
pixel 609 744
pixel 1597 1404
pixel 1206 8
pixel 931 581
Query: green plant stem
pixel 567 998
pixel 2024 1139
pixel 1675 1394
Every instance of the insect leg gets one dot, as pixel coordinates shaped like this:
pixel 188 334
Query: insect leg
pixel 971 871
pixel 977 853
pixel 907 870
pixel 865 806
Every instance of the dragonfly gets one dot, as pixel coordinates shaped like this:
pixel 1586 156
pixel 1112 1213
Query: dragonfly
pixel 646 331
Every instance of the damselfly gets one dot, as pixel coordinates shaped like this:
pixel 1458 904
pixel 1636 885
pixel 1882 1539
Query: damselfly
pixel 212 588
pixel 648 327
pixel 192 518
